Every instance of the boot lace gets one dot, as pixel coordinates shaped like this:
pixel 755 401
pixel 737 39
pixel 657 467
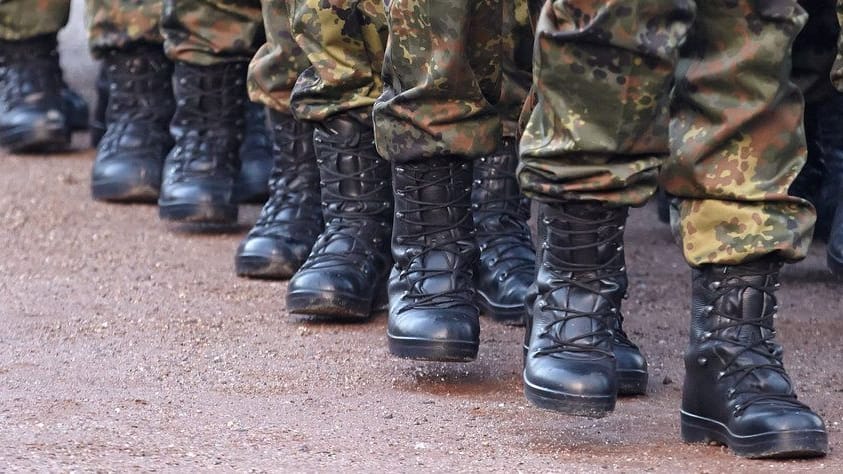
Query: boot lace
pixel 354 221
pixel 293 183
pixel 587 277
pixel 431 238
pixel 765 347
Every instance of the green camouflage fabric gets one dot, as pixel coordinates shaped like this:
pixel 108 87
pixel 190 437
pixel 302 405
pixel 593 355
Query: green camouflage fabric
pixel 729 143
pixel 442 76
pixel 277 64
pixel 118 24
pixel 815 49
pixel 344 41
pixel 516 64
pixel 208 32
pixel 24 19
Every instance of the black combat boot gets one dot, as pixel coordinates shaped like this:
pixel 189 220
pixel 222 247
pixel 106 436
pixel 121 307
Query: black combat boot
pixel 255 157
pixel 98 120
pixel 140 106
pixel 291 219
pixel 345 274
pixel 33 114
pixel 507 264
pixel 201 170
pixel 578 355
pixel 736 389
pixel 432 311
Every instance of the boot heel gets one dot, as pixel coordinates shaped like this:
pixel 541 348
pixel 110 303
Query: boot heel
pixel 695 433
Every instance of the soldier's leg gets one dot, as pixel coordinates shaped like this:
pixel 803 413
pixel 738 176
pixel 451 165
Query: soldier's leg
pixel 738 143
pixel 592 148
pixel 40 119
pixel 506 263
pixel 833 161
pixel 442 80
pixel 345 274
pixel 211 42
pixel 135 99
pixel 291 219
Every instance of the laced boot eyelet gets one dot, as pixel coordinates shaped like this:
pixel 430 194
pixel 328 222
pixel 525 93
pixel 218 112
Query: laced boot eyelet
pixel 702 361
pixel 706 336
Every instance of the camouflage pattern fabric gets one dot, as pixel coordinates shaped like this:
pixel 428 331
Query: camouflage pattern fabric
pixel 442 76
pixel 730 143
pixel 24 19
pixel 118 24
pixel 516 64
pixel 344 41
pixel 208 32
pixel 277 64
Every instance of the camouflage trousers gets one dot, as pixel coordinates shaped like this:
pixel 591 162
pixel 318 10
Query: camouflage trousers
pixel 837 70
pixel 119 24
pixel 454 71
pixel 277 64
pixel 207 32
pixel 729 143
pixel 24 19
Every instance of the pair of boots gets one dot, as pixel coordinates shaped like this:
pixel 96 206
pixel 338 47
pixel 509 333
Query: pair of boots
pixel 38 111
pixel 460 240
pixel 179 145
pixel 578 358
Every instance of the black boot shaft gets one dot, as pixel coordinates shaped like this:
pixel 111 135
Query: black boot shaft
pixel 255 156
pixel 29 67
pixel 139 86
pixel 506 267
pixel 355 180
pixel 211 101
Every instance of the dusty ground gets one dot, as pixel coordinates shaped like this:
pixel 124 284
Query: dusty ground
pixel 124 346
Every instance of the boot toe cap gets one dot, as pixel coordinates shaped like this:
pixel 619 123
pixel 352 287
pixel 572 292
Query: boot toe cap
pixel 579 377
pixel 435 325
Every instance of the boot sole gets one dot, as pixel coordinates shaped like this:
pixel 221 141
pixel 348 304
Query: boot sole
pixel 569 404
pixel 432 350
pixel 333 305
pixel 509 315
pixel 124 192
pixel 784 444
pixel 632 382
pixel 209 215
pixel 38 138
pixel 257 266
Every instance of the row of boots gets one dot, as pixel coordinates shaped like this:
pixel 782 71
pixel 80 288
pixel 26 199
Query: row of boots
pixel 460 244
pixel 435 241
pixel 179 134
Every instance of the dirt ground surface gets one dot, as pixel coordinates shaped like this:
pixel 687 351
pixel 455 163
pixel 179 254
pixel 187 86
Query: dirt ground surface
pixel 125 346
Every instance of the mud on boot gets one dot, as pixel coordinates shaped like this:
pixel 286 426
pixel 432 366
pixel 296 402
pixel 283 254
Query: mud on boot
pixel 432 310
pixel 289 222
pixel 506 267
pixel 345 275
pixel 737 391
